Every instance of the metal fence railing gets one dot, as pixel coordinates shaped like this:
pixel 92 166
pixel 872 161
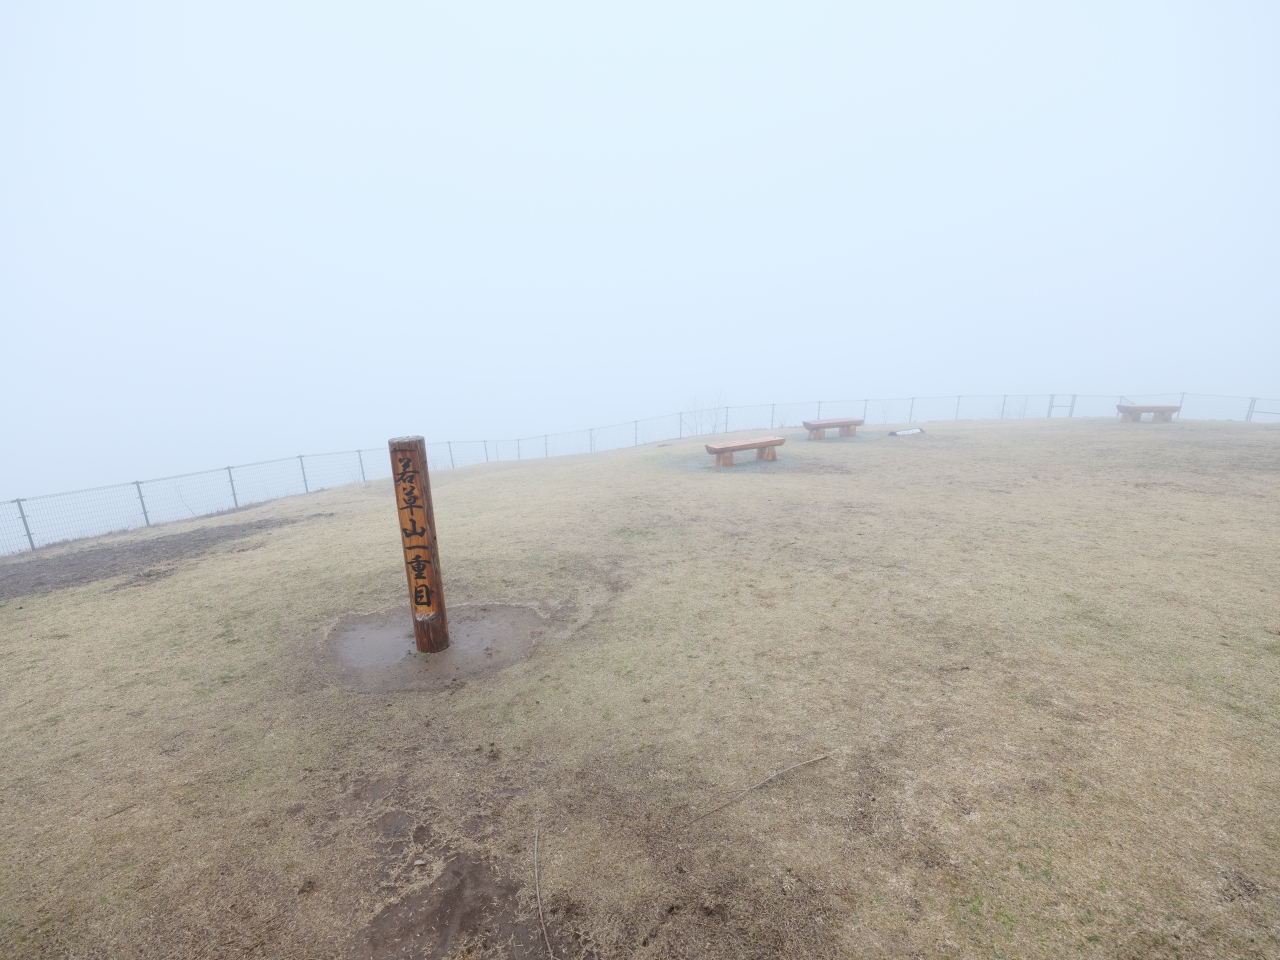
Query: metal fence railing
pixel 32 522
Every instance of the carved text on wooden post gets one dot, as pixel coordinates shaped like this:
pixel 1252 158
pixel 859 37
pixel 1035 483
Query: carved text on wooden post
pixel 418 535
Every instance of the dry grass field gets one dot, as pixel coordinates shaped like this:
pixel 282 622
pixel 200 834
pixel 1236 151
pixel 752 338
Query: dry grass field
pixel 1042 660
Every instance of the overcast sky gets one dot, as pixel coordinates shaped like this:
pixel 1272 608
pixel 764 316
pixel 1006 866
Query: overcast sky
pixel 237 231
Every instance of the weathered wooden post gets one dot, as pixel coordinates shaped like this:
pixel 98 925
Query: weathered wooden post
pixel 418 534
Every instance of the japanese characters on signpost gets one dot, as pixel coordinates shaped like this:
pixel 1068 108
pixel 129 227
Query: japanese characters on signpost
pixel 418 534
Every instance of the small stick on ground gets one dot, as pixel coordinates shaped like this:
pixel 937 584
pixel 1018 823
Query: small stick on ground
pixel 734 799
pixel 121 810
pixel 537 892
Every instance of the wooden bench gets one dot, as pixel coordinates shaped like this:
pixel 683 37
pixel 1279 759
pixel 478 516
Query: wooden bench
pixel 818 428
pixel 1132 413
pixel 766 448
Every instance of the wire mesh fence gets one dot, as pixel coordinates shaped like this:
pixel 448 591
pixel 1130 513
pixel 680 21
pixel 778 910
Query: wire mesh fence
pixel 33 522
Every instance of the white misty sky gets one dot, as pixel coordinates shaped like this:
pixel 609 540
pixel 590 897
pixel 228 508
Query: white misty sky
pixel 237 231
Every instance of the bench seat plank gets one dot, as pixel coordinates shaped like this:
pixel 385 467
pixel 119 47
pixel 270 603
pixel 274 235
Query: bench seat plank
pixel 737 446
pixel 833 422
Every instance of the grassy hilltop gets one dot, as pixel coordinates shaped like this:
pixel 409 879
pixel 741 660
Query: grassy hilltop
pixel 1042 659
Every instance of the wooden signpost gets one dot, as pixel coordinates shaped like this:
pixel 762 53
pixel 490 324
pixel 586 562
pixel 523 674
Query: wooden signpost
pixel 418 534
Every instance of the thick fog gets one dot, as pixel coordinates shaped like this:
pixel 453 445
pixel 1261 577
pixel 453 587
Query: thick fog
pixel 235 231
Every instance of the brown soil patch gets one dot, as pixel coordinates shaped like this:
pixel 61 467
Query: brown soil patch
pixel 89 561
pixel 468 908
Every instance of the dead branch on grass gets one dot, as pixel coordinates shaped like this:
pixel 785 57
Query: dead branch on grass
pixel 537 892
pixel 734 799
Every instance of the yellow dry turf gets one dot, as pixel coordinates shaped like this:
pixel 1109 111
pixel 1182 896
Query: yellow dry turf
pixel 1042 659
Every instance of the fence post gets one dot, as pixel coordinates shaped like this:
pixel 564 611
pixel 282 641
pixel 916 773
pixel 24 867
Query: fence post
pixel 138 484
pixel 637 437
pixel 957 408
pixel 591 439
pixel 772 407
pixel 726 419
pixel 819 416
pixel 486 450
pixel 305 486
pixel 1003 403
pixel 452 466
pixel 1052 398
pixel 360 457
pixel 911 411
pixel 1248 417
pixel 544 446
pixel 25 527
pixel 1071 410
pixel 1181 401
pixel 680 435
pixel 232 480
pixel 517 448
pixel 864 410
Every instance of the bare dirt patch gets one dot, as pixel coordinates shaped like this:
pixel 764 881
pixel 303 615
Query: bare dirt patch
pixel 377 653
pixel 72 565
pixel 469 907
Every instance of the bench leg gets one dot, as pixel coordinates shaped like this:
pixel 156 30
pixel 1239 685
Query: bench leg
pixel 1162 418
pixel 848 431
pixel 724 459
pixel 766 453
pixel 819 434
pixel 1130 418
